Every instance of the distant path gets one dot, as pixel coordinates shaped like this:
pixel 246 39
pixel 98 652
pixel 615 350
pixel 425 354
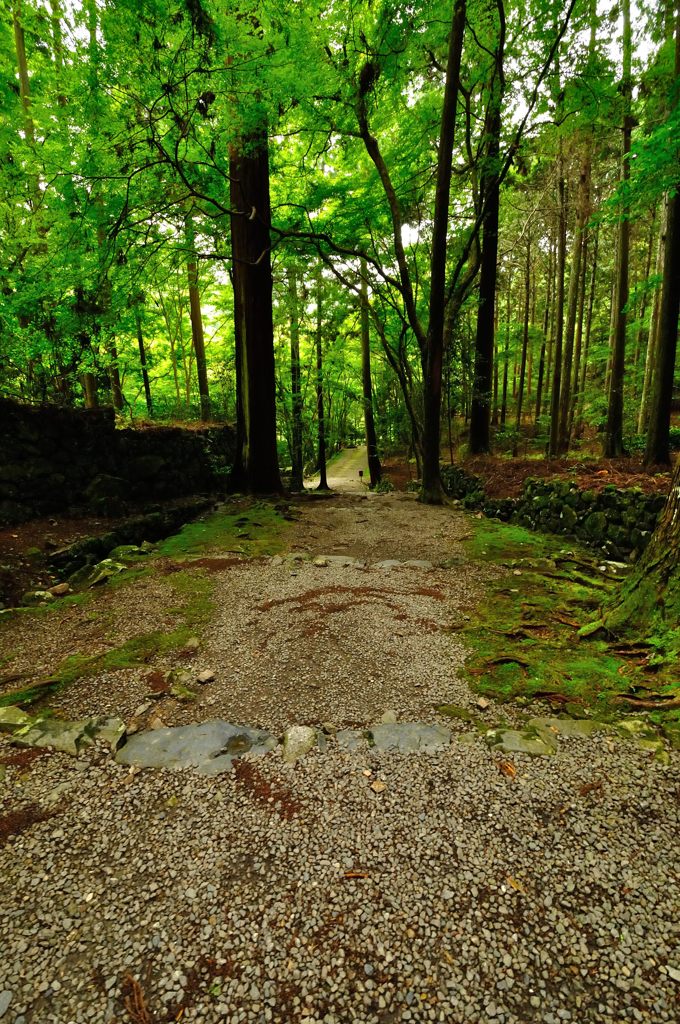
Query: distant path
pixel 343 472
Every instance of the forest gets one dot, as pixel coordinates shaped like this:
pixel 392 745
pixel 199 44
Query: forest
pixel 339 511
pixel 444 225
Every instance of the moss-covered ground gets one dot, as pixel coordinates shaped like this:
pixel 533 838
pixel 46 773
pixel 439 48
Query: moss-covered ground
pixel 254 530
pixel 525 639
pixel 247 530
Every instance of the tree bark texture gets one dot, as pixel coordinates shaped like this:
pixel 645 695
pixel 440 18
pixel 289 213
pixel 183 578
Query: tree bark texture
pixel 252 276
pixel 374 468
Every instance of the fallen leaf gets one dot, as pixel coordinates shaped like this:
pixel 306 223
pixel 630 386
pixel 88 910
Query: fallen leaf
pixel 591 787
pixel 514 884
pixel 507 768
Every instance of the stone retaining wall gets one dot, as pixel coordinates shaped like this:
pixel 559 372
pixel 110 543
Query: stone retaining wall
pixel 616 522
pixel 52 459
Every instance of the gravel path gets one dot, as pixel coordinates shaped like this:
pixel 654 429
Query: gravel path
pixel 296 893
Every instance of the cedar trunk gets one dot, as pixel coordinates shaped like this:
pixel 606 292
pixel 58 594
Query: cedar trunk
pixel 252 276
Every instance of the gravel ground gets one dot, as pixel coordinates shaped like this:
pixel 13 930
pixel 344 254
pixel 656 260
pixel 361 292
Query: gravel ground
pixel 297 894
pixel 461 892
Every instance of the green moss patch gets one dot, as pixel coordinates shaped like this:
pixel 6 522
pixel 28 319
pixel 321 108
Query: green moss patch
pixel 253 531
pixel 194 607
pixel 525 639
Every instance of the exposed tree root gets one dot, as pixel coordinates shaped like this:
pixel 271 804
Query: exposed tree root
pixel 662 704
pixel 135 1003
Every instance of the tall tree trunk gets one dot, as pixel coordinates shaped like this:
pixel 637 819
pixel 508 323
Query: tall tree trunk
pixel 613 438
pixel 142 363
pixel 643 305
pixel 251 245
pixel 525 345
pixel 296 481
pixel 578 344
pixel 196 318
pixel 434 342
pixel 553 444
pixel 90 389
pixel 480 413
pixel 588 332
pixel 320 418
pixel 546 324
pixel 24 80
pixel 652 338
pixel 114 378
pixel 583 211
pixel 657 450
pixel 506 355
pixel 374 468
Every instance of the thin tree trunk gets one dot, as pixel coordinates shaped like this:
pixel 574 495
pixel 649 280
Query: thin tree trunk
pixel 546 323
pixel 24 79
pixel 506 355
pixel 572 302
pixel 114 378
pixel 90 389
pixel 553 445
pixel 613 439
pixel 320 418
pixel 296 481
pixel 525 345
pixel 480 412
pixel 589 328
pixel 142 363
pixel 434 342
pixel 643 305
pixel 374 468
pixel 650 357
pixel 578 345
pixel 197 336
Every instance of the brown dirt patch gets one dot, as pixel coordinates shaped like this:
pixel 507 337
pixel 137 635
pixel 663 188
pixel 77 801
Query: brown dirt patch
pixel 22 758
pixel 216 564
pixel 275 798
pixel 15 822
pixel 157 682
pixel 25 550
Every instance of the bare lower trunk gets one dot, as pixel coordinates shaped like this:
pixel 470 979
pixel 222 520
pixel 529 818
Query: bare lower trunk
pixel 374 468
pixel 252 275
pixel 197 337
pixel 320 416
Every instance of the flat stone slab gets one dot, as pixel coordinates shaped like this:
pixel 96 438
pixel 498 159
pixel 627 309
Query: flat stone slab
pixel 512 741
pixel 340 561
pixel 570 727
pixel 410 737
pixel 71 737
pixel 351 740
pixel 209 747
